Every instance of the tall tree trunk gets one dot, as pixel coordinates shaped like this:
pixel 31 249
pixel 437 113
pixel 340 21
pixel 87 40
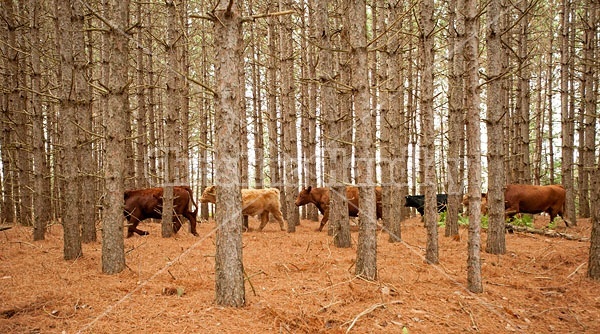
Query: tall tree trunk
pixel 229 269
pixel 288 110
pixel 41 198
pixel 311 114
pixel 69 110
pixel 522 108
pixel 550 108
pixel 594 254
pixel 274 176
pixel 113 255
pixel 173 112
pixel 496 243
pixel 258 131
pixel 474 282
pixel 398 140
pixel 427 146
pixel 455 117
pixel 366 253
pixel 590 107
pixel 153 128
pixel 567 117
pixel 141 141
pixel 335 154
pixel 11 101
pixel 85 159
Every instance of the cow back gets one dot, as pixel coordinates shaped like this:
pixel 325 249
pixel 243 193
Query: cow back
pixel 534 199
pixel 257 201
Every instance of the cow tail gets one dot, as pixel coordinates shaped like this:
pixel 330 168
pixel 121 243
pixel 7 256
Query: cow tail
pixel 189 190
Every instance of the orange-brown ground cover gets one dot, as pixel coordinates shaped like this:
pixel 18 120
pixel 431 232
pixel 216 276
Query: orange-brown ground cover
pixel 298 283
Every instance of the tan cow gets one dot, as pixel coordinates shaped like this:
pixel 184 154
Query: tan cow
pixel 255 202
pixel 465 203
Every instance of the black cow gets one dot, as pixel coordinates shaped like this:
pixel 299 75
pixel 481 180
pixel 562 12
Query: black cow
pixel 418 202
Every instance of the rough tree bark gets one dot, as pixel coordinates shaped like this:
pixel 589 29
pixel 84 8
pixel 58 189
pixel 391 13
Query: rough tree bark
pixel 288 110
pixel 69 110
pixel 41 198
pixel 366 253
pixel 335 165
pixel 469 8
pixel 567 116
pixel 455 117
pixel 495 112
pixel 113 254
pixel 229 269
pixel 426 21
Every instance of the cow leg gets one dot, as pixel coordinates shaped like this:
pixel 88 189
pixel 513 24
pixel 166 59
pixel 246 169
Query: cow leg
pixel 324 220
pixel 133 228
pixel 176 223
pixel 264 219
pixel 279 217
pixel 245 227
pixel 192 218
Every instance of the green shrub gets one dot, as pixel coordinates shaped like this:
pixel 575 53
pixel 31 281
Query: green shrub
pixel 522 220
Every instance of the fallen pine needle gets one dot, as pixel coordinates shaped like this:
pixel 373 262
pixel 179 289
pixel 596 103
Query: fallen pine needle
pixel 576 270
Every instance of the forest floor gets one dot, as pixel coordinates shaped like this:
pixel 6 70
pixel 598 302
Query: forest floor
pixel 298 283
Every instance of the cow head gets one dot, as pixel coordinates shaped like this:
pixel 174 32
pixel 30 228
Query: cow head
pixel 209 195
pixel 304 196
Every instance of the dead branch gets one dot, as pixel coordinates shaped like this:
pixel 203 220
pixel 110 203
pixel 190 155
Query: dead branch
pixel 369 310
pixel 546 233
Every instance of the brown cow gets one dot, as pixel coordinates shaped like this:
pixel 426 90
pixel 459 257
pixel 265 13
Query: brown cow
pixel 147 203
pixel 320 198
pixel 525 198
pixel 254 202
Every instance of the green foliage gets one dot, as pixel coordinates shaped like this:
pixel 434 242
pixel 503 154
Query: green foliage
pixel 522 220
pixel 462 220
pixel 404 330
pixel 442 221
pixel 552 225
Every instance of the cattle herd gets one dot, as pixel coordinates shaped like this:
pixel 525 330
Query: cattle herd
pixel 146 203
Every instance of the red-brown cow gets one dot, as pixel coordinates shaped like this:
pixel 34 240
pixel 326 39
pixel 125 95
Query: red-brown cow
pixel 320 198
pixel 525 198
pixel 147 203
pixel 255 202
